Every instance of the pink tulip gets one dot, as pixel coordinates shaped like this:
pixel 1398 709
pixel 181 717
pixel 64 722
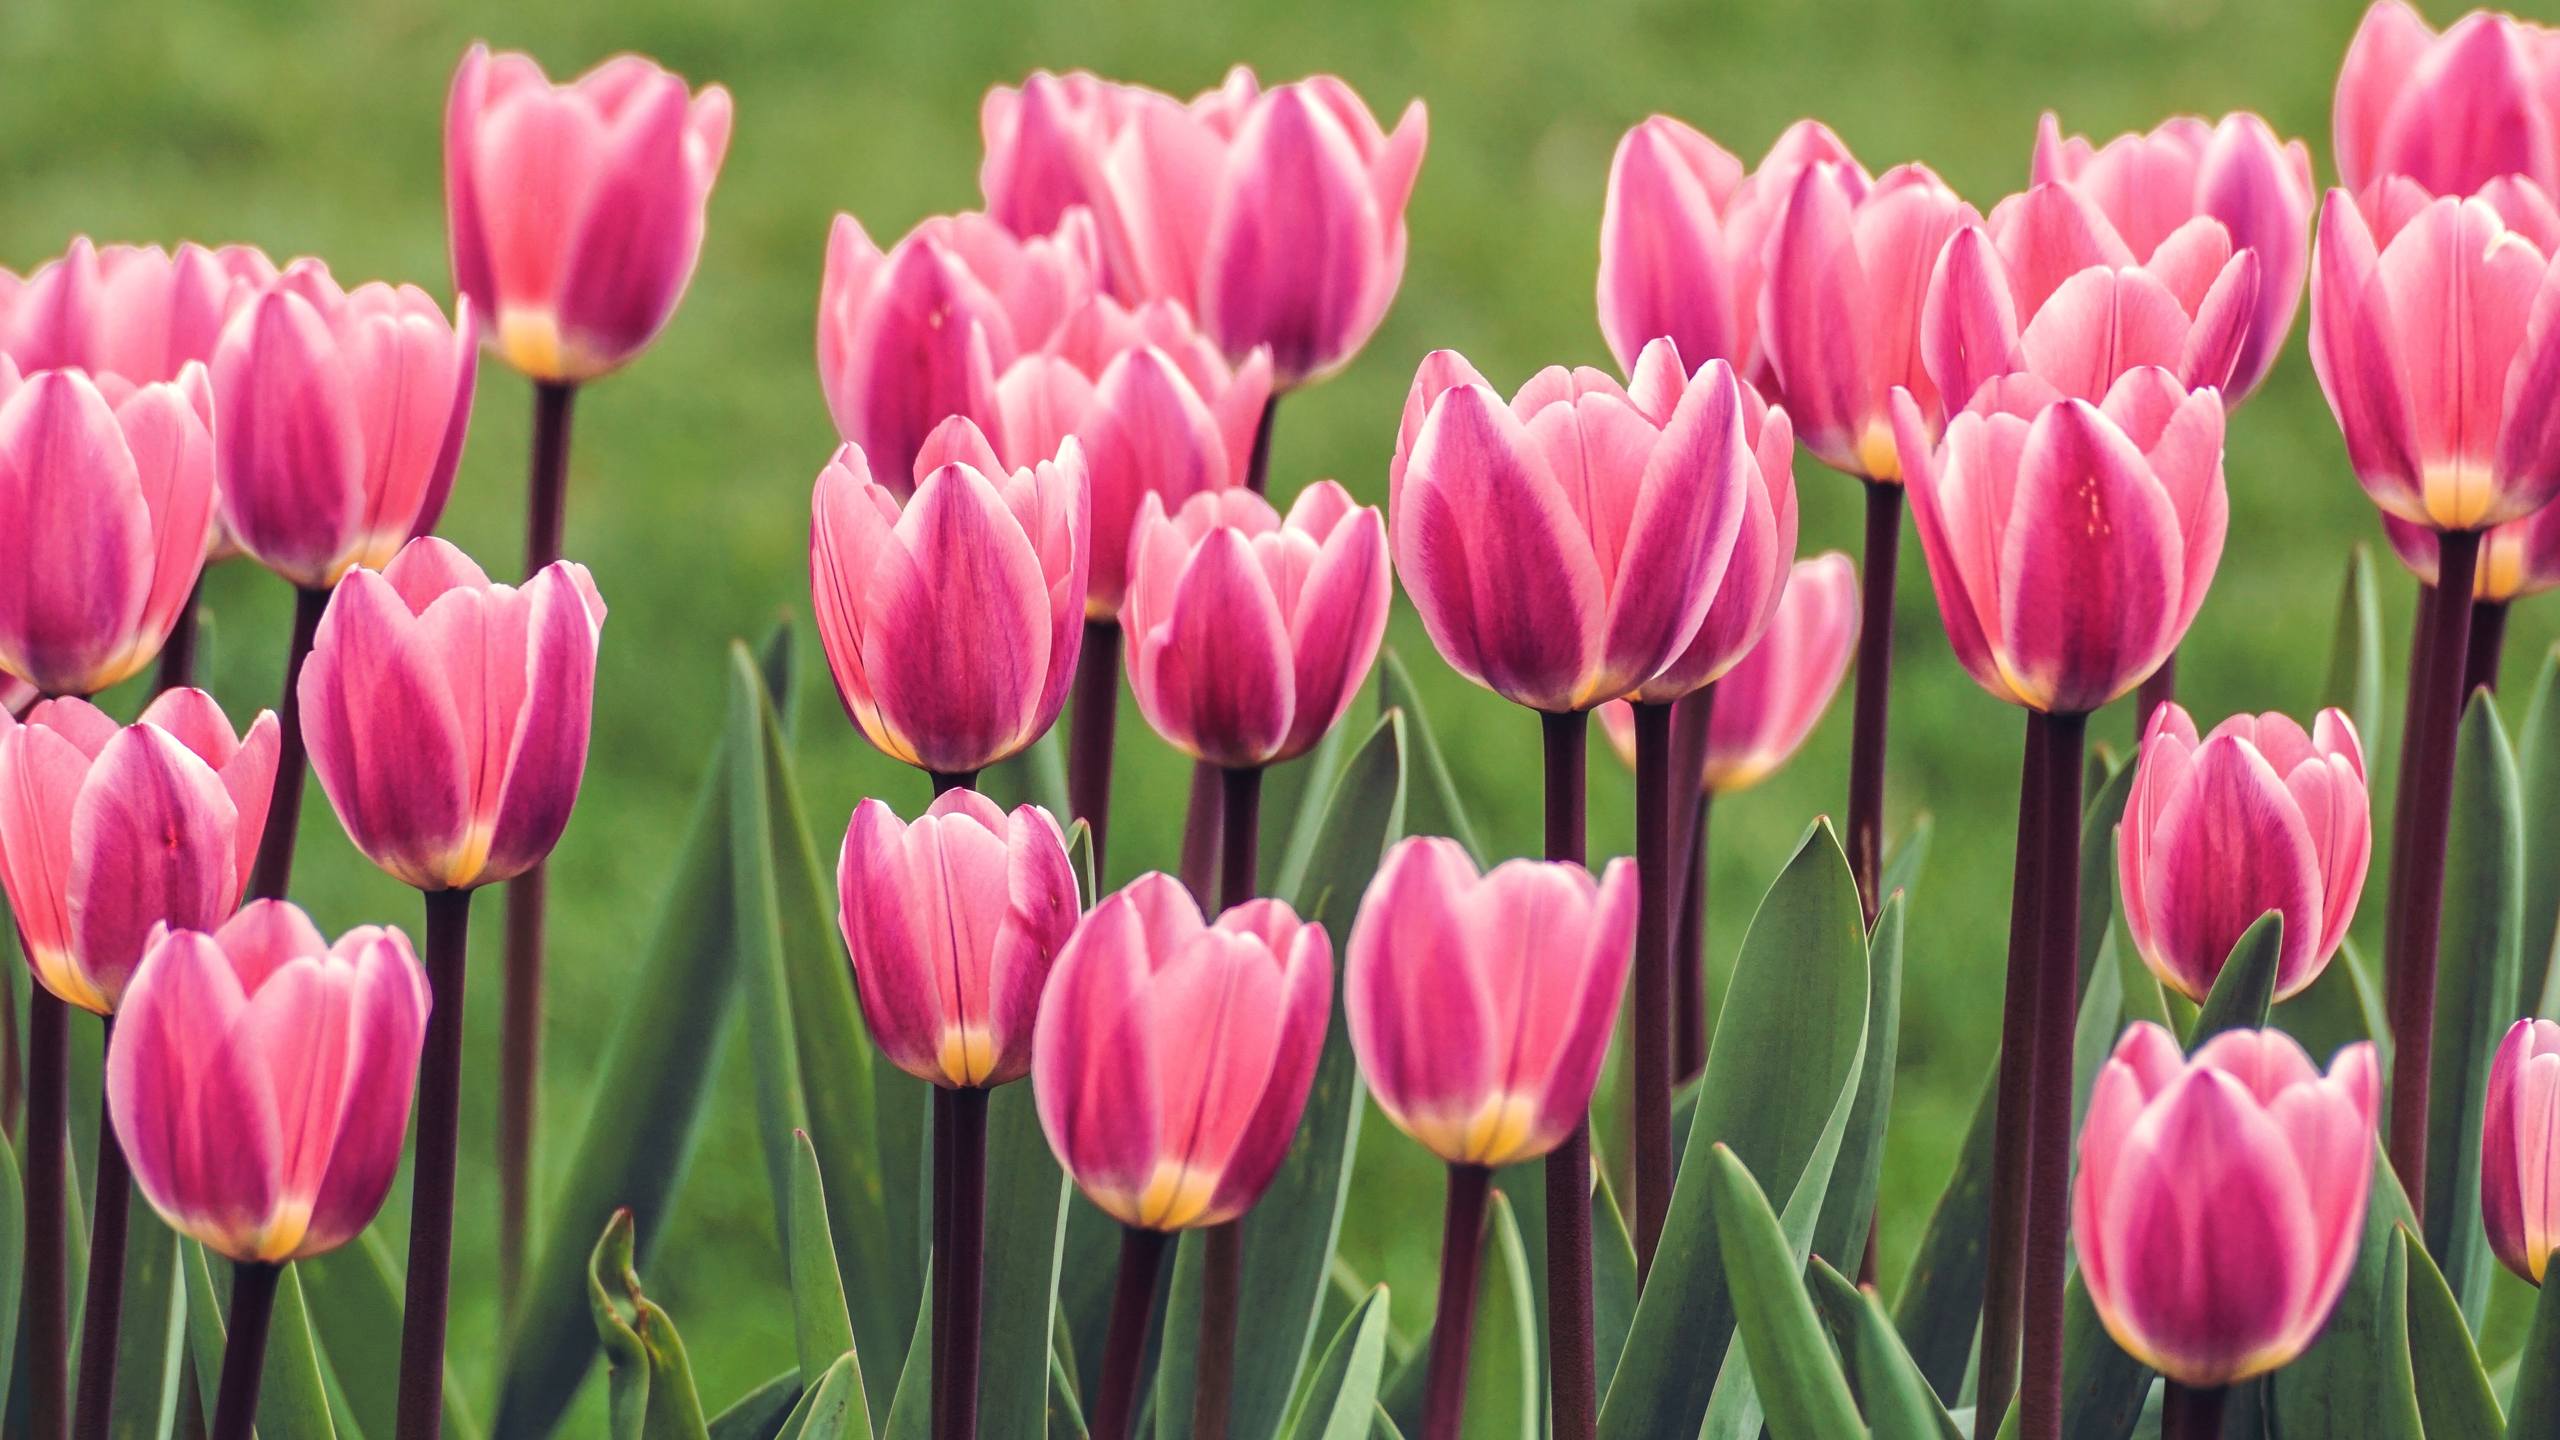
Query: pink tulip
pixel 2258 816
pixel 1172 1057
pixel 2070 544
pixel 1840 307
pixel 1564 548
pixel 2220 1200
pixel 107 831
pixel 2236 173
pixel 128 314
pixel 1249 637
pixel 576 210
pixel 921 332
pixel 2441 358
pixel 105 511
pixel 1044 142
pixel 343 414
pixel 1480 1006
pixel 1764 555
pixel 447 716
pixel 2517 559
pixel 2452 111
pixel 1767 704
pixel 259 1078
pixel 952 620
pixel 953 923
pixel 2520 1149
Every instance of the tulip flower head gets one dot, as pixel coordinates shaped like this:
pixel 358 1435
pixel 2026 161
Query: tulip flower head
pixel 447 716
pixel 129 315
pixel 1249 636
pixel 952 620
pixel 2220 1200
pixel 1564 548
pixel 576 210
pixel 1172 1056
pixel 343 414
pixel 2452 112
pixel 2520 1150
pixel 1480 1005
pixel 1755 577
pixel 260 1077
pixel 953 922
pixel 2258 816
pixel 107 831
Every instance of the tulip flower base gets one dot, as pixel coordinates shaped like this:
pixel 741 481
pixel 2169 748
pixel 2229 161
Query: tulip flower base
pixel 244 1350
pixel 439 1136
pixel 274 874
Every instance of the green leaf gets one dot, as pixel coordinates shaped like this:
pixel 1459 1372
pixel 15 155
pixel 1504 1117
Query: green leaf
pixel 1792 1367
pixel 2246 988
pixel 2538 780
pixel 1504 1398
pixel 1891 1390
pixel 2098 820
pixel 1342 1390
pixel 1613 1278
pixel 1305 787
pixel 2535 1408
pixel 652 1395
pixel 2352 1384
pixel 1939 1307
pixel 2355 677
pixel 354 1296
pixel 758 1414
pixel 1782 1077
pixel 1025 1236
pixel 1849 1203
pixel 151 1341
pixel 834 1408
pixel 911 1408
pixel 822 1328
pixel 2453 1392
pixel 1437 805
pixel 293 1396
pixel 13 1226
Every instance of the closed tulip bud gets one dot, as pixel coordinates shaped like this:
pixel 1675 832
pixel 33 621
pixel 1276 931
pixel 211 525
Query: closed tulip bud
pixel 2520 1150
pixel 1248 636
pixel 2440 354
pixel 953 923
pixel 1480 1006
pixel 128 314
pixel 105 513
pixel 1043 142
pixel 107 831
pixel 1156 430
pixel 951 619
pixel 1563 548
pixel 343 414
pixel 2453 111
pixel 1764 556
pixel 2070 544
pixel 2220 1200
pixel 576 210
pixel 2257 816
pixel 260 1077
pixel 447 716
pixel 2517 559
pixel 1172 1056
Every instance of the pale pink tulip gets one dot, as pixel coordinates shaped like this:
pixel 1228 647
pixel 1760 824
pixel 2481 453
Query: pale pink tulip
pixel 2520 1150
pixel 128 314
pixel 2452 112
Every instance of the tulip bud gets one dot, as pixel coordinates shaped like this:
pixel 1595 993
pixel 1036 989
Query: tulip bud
pixel 260 1076
pixel 1564 548
pixel 107 831
pixel 2258 816
pixel 105 512
pixel 1043 142
pixel 1480 1005
pixel 1152 432
pixel 2517 559
pixel 343 414
pixel 447 716
pixel 952 620
pixel 953 923
pixel 1249 637
pixel 1172 1057
pixel 2220 1200
pixel 576 210
pixel 2453 111
pixel 1764 556
pixel 128 314
pixel 2520 1149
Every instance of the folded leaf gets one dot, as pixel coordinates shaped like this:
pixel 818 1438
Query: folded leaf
pixel 1797 1377
pixel 1438 807
pixel 2246 989
pixel 1892 1393
pixel 758 1414
pixel 2453 1392
pixel 833 1409
pixel 821 1326
pixel 1939 1308
pixel 1849 1203
pixel 1504 1401
pixel 2535 1407
pixel 1342 1390
pixel 652 1396
pixel 1026 1231
pixel 2355 677
pixel 2352 1384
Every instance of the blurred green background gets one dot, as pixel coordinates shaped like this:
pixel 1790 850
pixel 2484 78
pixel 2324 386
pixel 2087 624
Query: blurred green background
pixel 313 126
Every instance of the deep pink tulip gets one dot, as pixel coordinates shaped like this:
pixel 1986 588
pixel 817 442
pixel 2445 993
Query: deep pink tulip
pixel 108 830
pixel 1480 1006
pixel 2235 172
pixel 447 716
pixel 2441 358
pixel 2220 1200
pixel 576 210
pixel 2453 111
pixel 952 619
pixel 910 336
pixel 2070 544
pixel 128 314
pixel 1248 636
pixel 2257 816
pixel 2520 1149
pixel 105 513
pixel 342 419
pixel 260 1078
pixel 1172 1057
pixel 1840 306
pixel 1564 548
pixel 1767 704
pixel 2517 559
pixel 1764 554
pixel 953 923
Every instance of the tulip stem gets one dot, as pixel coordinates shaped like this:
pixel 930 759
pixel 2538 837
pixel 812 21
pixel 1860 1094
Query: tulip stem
pixel 967 1262
pixel 244 1350
pixel 1453 1327
pixel 178 652
pixel 102 1313
pixel 1091 726
pixel 946 1134
pixel 2004 1258
pixel 1656 784
pixel 547 478
pixel 1221 1287
pixel 1257 474
pixel 48 1301
pixel 2191 1412
pixel 1689 964
pixel 944 782
pixel 1573 1358
pixel 2159 688
pixel 2421 822
pixel 2049 1143
pixel 274 872
pixel 2487 647
pixel 422 1323
pixel 1124 1342
pixel 1239 850
pixel 1874 694
pixel 1202 820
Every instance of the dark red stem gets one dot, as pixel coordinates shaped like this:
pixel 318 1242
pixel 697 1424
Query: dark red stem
pixel 1124 1341
pixel 439 1134
pixel 244 1349
pixel 178 652
pixel 1257 475
pixel 1659 787
pixel 1201 823
pixel 968 1206
pixel 1573 1358
pixel 2487 647
pixel 1453 1327
pixel 1090 726
pixel 2159 688
pixel 1239 847
pixel 48 1291
pixel 102 1313
pixel 274 871
pixel 2057 1005
pixel 2005 1254
pixel 1221 1293
pixel 1874 693
pixel 2191 1414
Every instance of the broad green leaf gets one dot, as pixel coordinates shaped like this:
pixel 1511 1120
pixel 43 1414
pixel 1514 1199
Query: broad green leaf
pixel 832 1409
pixel 1796 1375
pixel 822 1328
pixel 1892 1392
pixel 1908 857
pixel 1342 1390
pixel 1178 1340
pixel 756 911
pixel 2095 1028
pixel 2355 678
pixel 911 1408
pixel 293 1397
pixel 2453 1393
pixel 652 1396
pixel 1849 1203
pixel 2538 779
pixel 13 1219
pixel 1613 1279
pixel 151 1339
pixel 2534 1409
pixel 1304 788
pixel 1436 804
pixel 1504 1399
pixel 2098 820
pixel 758 1414
pixel 2246 988
pixel 1939 1307
pixel 2352 1383
pixel 1026 1230
pixel 354 1295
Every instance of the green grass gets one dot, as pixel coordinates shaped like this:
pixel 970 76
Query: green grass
pixel 315 127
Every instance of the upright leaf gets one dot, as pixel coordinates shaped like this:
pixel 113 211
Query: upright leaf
pixel 2535 1409
pixel 821 1325
pixel 354 1295
pixel 2098 820
pixel 1504 1401
pixel 1892 1392
pixel 151 1342
pixel 2538 778
pixel 2453 1393
pixel 1438 806
pixel 911 1408
pixel 652 1396
pixel 1026 1228
pixel 2349 1385
pixel 2245 990
pixel 2355 679
pixel 1849 1203
pixel 833 1409
pixel 1342 1390
pixel 1939 1308
pixel 13 1226
pixel 758 1414
pixel 1797 1377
